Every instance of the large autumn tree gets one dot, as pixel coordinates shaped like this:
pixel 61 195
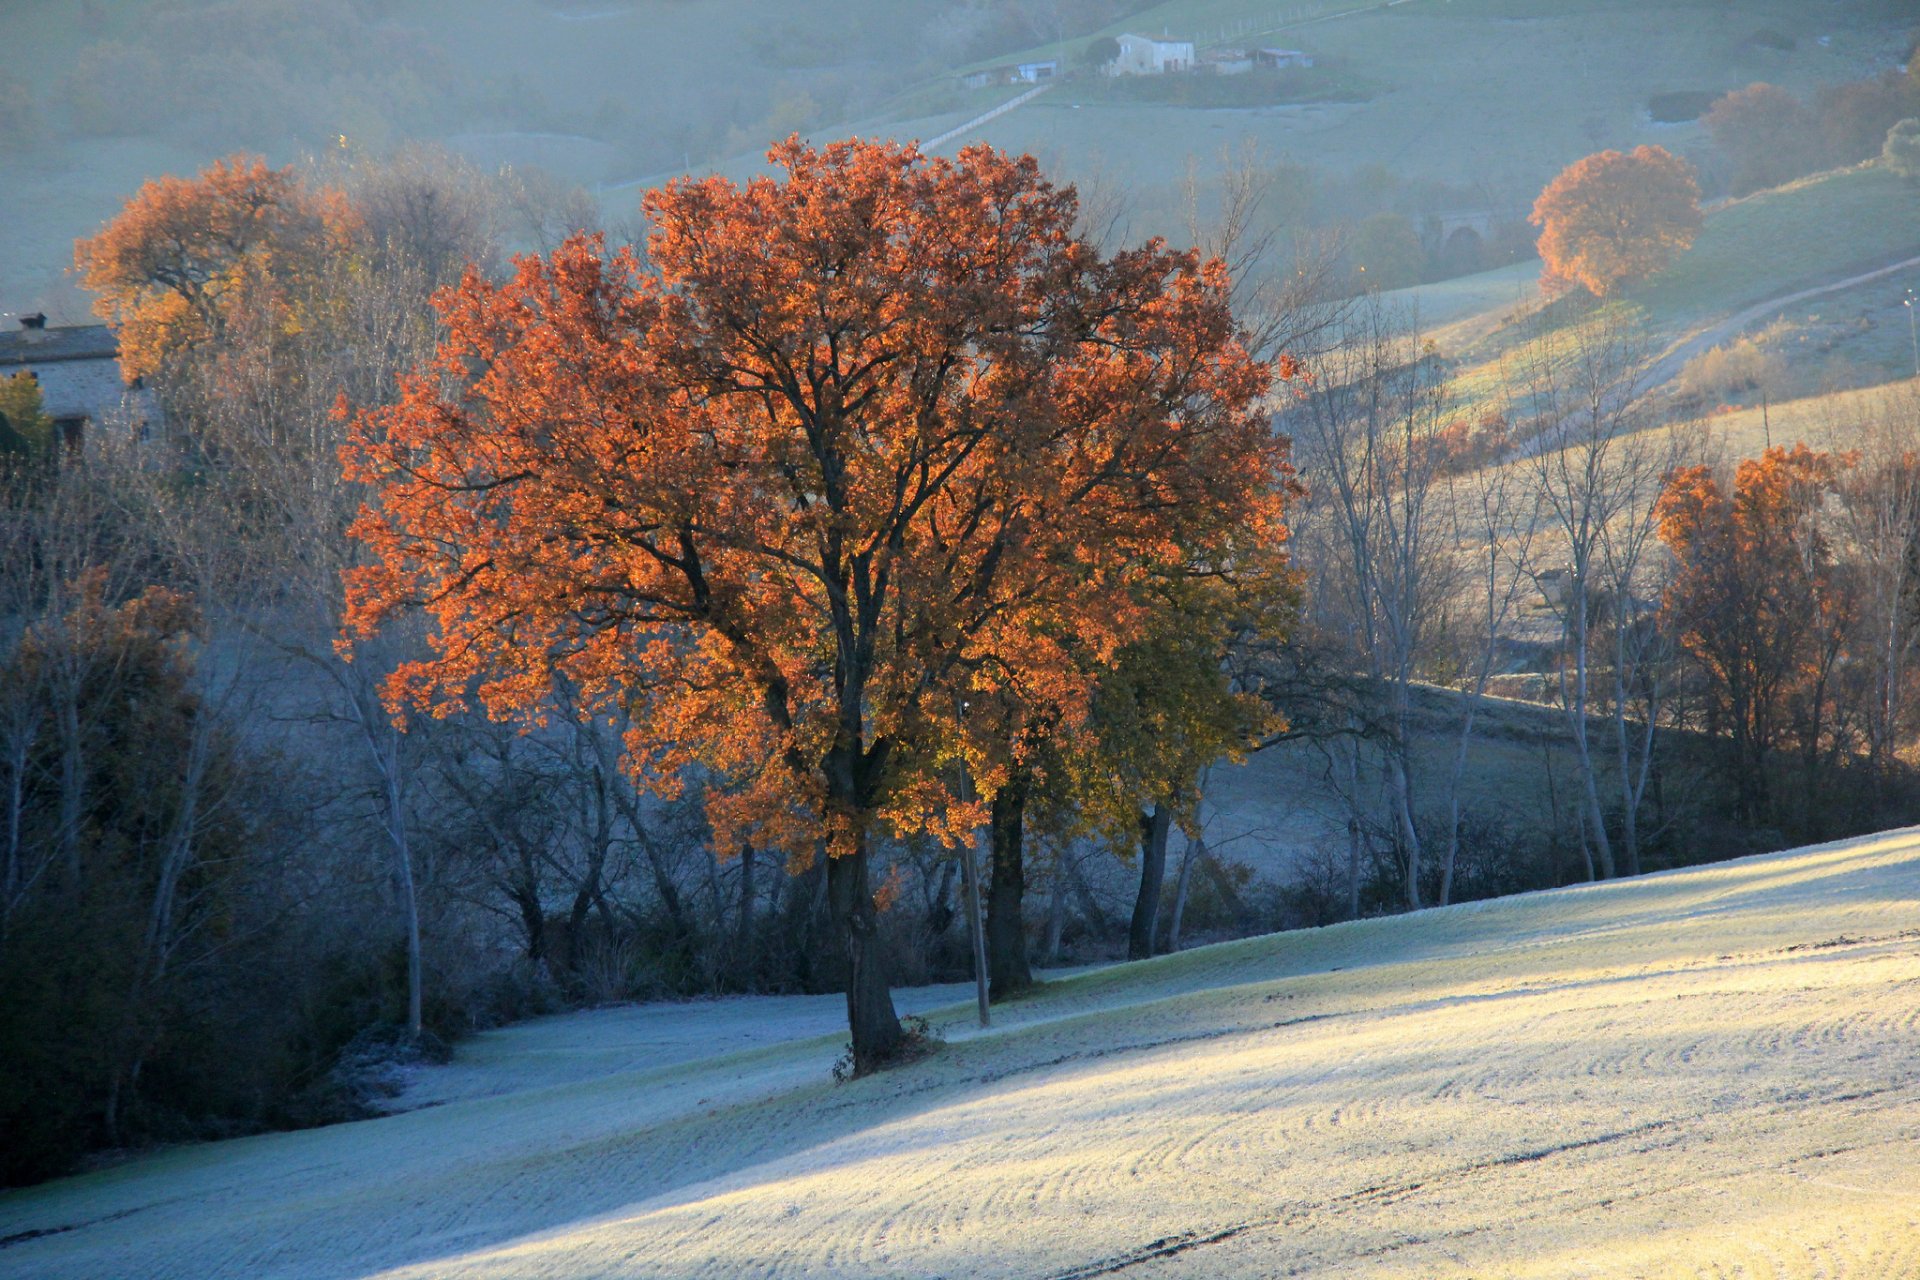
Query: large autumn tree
pixel 846 448
pixel 1615 218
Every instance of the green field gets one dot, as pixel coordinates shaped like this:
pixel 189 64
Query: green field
pixel 1497 95
pixel 1776 241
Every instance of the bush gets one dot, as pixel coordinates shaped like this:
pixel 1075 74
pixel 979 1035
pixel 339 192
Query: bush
pixel 1768 134
pixel 1901 153
pixel 1724 372
pixel 1682 106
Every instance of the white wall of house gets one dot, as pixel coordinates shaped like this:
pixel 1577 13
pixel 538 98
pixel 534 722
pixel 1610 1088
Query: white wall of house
pixel 93 390
pixel 1148 56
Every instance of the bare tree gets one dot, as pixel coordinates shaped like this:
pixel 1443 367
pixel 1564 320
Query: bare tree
pixel 1880 519
pixel 1285 279
pixel 1489 515
pixel 1595 465
pixel 1373 534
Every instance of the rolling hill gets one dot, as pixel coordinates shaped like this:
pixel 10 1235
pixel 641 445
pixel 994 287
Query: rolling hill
pixel 1710 1072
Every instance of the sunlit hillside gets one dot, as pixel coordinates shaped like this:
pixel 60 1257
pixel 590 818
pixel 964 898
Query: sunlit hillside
pixel 1709 1072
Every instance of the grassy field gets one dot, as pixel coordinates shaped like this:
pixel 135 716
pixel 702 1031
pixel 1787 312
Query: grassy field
pixel 591 93
pixel 1497 94
pixel 1701 1073
pixel 1769 245
pixel 1490 94
pixel 1776 241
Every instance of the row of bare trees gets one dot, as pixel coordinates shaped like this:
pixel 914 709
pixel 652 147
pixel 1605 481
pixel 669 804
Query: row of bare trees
pixel 1558 574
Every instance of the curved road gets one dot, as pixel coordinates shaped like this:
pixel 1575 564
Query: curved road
pixel 1668 365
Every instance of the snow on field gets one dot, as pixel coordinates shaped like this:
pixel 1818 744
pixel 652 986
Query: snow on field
pixel 1711 1072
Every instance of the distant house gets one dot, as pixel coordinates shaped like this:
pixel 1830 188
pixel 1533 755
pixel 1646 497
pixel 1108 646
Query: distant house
pixel 1282 58
pixel 981 79
pixel 1034 72
pixel 1151 56
pixel 78 369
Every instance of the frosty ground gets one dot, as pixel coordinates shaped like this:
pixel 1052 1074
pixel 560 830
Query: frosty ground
pixel 1709 1072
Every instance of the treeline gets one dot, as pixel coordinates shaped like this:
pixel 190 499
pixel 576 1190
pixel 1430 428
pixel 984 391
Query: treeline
pixel 1764 135
pixel 1727 653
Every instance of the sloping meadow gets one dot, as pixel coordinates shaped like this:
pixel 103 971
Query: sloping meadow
pixel 1711 1072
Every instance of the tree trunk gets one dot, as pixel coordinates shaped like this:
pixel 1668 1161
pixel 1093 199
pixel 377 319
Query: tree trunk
pixel 410 899
pixel 1057 907
pixel 1409 834
pixel 871 1021
pixel 743 938
pixel 1153 872
pixel 1007 969
pixel 1187 861
pixel 1353 827
pixel 1089 907
pixel 1353 868
pixel 1596 815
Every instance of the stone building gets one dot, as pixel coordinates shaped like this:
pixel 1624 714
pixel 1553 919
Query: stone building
pixel 78 369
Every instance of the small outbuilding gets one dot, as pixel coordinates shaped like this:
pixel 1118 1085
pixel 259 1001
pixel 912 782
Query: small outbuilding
pixel 1277 58
pixel 1226 62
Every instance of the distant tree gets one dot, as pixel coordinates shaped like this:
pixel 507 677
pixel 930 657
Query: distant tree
pixel 25 429
pixel 1100 52
pixel 1385 253
pixel 1855 116
pixel 1768 134
pixel 1613 219
pixel 1757 601
pixel 186 257
pixel 1901 153
pixel 849 446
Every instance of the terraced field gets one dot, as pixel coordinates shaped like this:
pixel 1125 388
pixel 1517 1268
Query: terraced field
pixel 1713 1072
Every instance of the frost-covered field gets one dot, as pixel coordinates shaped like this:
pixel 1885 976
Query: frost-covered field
pixel 1712 1072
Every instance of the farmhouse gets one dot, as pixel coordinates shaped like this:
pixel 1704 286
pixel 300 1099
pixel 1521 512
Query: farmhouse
pixel 1152 56
pixel 78 369
pixel 1282 58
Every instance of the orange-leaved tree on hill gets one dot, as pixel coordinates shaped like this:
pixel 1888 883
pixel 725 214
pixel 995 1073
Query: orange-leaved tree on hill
pixel 187 257
pixel 1615 218
pixel 1758 601
pixel 847 447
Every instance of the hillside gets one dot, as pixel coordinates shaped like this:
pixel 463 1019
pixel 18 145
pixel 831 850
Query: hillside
pixel 1494 96
pixel 1707 1072
pixel 617 93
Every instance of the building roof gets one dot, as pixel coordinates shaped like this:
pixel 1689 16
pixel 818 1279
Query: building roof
pixel 1134 35
pixel 69 342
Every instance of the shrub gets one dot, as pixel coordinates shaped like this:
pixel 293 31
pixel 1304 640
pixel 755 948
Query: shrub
pixel 1901 153
pixel 1681 106
pixel 1724 372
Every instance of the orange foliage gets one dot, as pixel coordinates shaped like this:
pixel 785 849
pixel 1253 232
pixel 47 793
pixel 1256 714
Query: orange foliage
pixel 1767 133
pixel 1614 218
pixel 184 256
pixel 1757 599
pixel 848 447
